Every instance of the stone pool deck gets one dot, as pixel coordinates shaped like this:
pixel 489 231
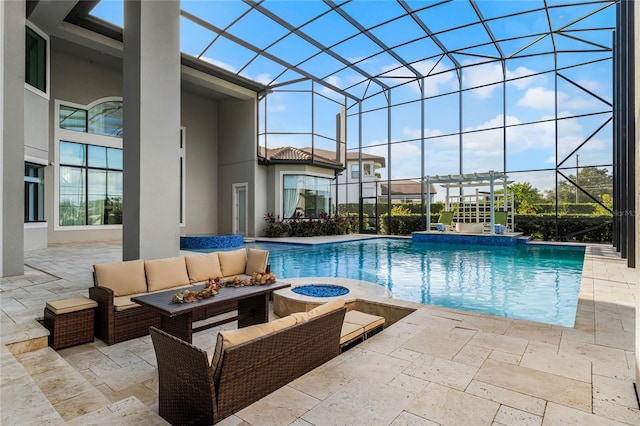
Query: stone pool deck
pixel 434 366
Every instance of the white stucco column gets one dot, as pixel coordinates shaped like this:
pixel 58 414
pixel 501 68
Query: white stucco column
pixel 12 67
pixel 151 87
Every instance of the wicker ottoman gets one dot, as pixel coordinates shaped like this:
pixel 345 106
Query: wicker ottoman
pixel 70 321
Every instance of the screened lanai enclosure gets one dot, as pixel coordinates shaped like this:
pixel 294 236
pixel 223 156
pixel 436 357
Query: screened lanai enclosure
pixel 382 94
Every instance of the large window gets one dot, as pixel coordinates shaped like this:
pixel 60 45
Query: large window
pixel 90 184
pixel 33 193
pixel 89 168
pixel 36 59
pixel 102 119
pixel 306 196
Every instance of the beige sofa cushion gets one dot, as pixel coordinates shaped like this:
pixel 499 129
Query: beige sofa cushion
pixel 166 273
pixel 241 335
pixel 256 261
pixel 123 303
pixel 233 262
pixel 350 332
pixel 319 310
pixel 74 304
pixel 123 278
pixel 367 321
pixel 203 267
pixel 229 338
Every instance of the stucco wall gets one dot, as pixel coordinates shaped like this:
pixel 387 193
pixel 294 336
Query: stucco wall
pixel 200 119
pixel 237 159
pixel 262 198
pixel 36 129
pixel 12 128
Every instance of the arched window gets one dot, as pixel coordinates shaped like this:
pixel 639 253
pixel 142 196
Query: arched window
pixel 104 119
pixel 89 164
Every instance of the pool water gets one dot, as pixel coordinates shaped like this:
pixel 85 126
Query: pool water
pixel 532 282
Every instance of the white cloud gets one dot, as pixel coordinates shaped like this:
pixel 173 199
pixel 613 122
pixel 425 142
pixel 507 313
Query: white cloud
pixel 335 81
pixel 220 64
pixel 576 102
pixel 416 134
pixel 591 85
pixel 522 83
pixel 541 98
pixel 276 107
pixel 538 97
pixel 433 83
pixel 473 76
pixel 479 75
pixel 491 73
pixel 264 78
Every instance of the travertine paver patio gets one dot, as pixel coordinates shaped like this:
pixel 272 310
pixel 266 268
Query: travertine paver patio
pixel 435 366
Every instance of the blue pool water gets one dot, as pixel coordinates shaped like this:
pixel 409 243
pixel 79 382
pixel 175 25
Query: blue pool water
pixel 533 282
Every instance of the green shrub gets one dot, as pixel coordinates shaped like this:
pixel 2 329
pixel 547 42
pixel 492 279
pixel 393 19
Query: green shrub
pixel 300 227
pixel 578 228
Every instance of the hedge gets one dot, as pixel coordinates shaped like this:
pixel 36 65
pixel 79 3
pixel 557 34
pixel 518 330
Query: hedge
pixel 539 227
pixel 438 206
pixel 570 228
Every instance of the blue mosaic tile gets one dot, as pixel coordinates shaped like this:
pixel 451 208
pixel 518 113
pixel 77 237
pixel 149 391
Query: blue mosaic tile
pixel 453 238
pixel 321 290
pixel 200 242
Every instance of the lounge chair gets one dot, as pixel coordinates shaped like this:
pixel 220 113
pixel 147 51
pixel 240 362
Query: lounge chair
pixel 500 218
pixel 500 221
pixel 445 220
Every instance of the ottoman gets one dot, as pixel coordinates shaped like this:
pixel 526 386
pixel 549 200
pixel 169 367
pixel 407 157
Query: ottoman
pixel 70 321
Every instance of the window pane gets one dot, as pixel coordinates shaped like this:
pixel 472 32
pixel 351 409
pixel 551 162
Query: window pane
pixel 106 119
pixel 33 193
pixel 72 119
pixel 72 196
pixel 113 204
pixel 97 156
pixel 72 154
pixel 97 192
pixel 35 60
pixel 293 196
pixel 114 158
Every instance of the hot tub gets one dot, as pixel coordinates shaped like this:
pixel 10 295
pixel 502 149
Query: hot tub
pixel 211 241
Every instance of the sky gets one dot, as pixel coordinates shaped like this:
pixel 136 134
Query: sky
pixel 582 86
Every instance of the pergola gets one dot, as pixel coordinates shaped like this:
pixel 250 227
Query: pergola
pixel 471 180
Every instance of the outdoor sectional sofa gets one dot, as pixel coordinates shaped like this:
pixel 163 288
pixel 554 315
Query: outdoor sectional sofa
pixel 247 364
pixel 119 319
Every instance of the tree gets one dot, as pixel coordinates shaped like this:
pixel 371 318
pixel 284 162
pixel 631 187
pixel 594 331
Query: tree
pixel 524 197
pixel 593 180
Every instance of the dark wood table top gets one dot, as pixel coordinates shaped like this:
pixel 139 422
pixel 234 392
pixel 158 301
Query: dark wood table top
pixel 162 301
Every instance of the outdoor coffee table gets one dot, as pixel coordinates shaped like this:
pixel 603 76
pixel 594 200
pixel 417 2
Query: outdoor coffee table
pixel 177 318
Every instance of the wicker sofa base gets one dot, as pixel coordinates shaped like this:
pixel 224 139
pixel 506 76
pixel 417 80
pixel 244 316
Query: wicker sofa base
pixel 188 393
pixel 69 329
pixel 118 326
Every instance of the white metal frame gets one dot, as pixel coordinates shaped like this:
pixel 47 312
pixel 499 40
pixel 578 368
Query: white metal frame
pixel 473 180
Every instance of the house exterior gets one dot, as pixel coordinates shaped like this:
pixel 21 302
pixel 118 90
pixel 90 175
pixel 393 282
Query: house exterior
pixel 93 126
pixel 340 183
pixel 406 191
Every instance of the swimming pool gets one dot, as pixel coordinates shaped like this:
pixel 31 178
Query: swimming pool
pixel 533 282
